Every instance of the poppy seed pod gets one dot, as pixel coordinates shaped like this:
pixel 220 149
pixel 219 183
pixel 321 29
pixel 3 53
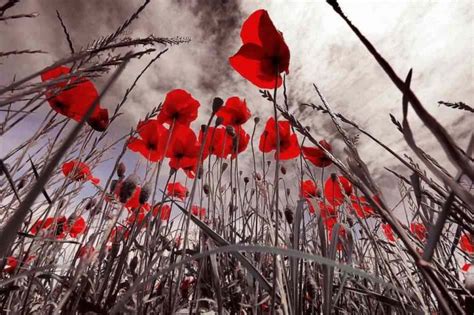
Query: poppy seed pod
pixel 121 169
pixel 224 166
pixel 256 120
pixel 128 188
pixel 283 170
pixel 230 131
pixel 246 180
pixel 206 189
pixel 217 104
pixel 219 121
pixel 144 193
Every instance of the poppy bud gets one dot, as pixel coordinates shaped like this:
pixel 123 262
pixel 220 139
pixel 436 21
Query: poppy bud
pixel 91 203
pixel 256 120
pixel 22 183
pixel 144 193
pixel 288 191
pixel 121 169
pixel 128 188
pixel 206 189
pixel 217 104
pixel 234 191
pixel 333 177
pixel 283 170
pixel 269 163
pixel 246 180
pixel 113 185
pixel 199 172
pixel 258 176
pixel 219 121
pixel 308 128
pixel 230 131
pixel 240 173
pixel 224 167
pixel 289 215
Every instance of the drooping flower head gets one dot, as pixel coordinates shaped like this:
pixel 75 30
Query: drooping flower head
pixel 264 54
pixel 78 171
pixel 179 107
pixel 289 148
pixel 316 156
pixel 177 190
pixel 332 189
pixel 152 142
pixel 72 98
pixel 234 112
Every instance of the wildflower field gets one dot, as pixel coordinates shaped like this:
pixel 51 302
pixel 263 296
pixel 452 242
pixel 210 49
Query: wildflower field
pixel 243 214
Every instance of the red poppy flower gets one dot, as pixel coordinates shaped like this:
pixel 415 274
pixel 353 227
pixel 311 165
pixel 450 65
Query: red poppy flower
pixel 242 141
pixel 10 265
pixel 387 230
pixel 361 207
pixel 57 226
pixel 73 97
pixel 179 107
pixel 137 217
pixel 163 210
pixel 419 230
pixel 466 243
pixel 308 189
pixel 134 201
pixel 78 171
pixel 217 142
pixel 332 189
pixel 198 211
pixel 76 226
pixel 289 148
pixel 183 149
pixel 177 190
pixel 264 54
pixel 317 156
pixel 234 112
pixel 466 267
pixel 152 141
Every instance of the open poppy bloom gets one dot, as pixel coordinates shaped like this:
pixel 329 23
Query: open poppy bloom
pixel 242 140
pixel 78 171
pixel 73 98
pixel 198 211
pixel 387 230
pixel 308 189
pixel 419 230
pixel 264 54
pixel 10 265
pixel 183 150
pixel 56 226
pixel 467 244
pixel 217 143
pixel 332 189
pixel 289 148
pixel 152 141
pixel 177 190
pixel 361 207
pixel 234 112
pixel 75 226
pixel 179 107
pixel 316 156
pixel 163 210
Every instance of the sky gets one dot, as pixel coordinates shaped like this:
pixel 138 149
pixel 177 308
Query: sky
pixel 435 38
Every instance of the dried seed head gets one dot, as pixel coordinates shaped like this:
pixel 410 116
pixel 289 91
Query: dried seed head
pixel 256 120
pixel 113 185
pixel 121 169
pixel 219 121
pixel 128 188
pixel 91 203
pixel 144 193
pixel 224 167
pixel 246 180
pixel 289 215
pixel 206 189
pixel 230 131
pixel 217 104
pixel 22 183
pixel 283 170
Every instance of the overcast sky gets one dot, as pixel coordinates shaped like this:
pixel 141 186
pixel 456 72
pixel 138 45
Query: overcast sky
pixel 435 38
